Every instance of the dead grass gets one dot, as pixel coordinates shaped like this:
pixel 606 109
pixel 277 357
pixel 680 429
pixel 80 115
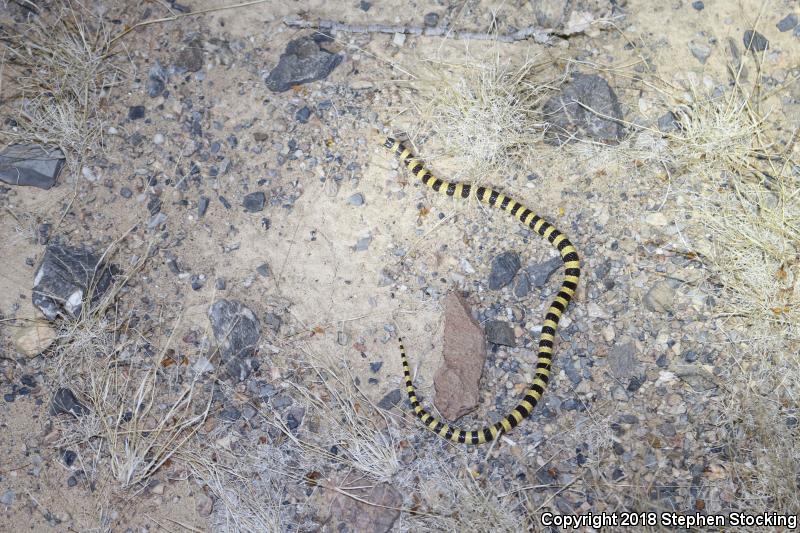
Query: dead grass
pixel 58 77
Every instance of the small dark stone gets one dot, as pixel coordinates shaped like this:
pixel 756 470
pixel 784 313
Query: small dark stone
pixel 230 414
pixel 23 391
pixel 263 270
pixel 255 202
pixel 302 115
pixel 698 5
pixel 202 206
pixel 266 223
pixel 154 205
pixel 72 481
pixel 791 422
pixel 787 23
pixel 634 384
pixel 662 361
pixel 215 147
pixel 10 397
pixel 68 456
pixel 523 286
pixel 375 366
pixel 391 399
pixel 28 380
pixel 172 263
pixel 125 192
pixel 274 322
pixel 156 80
pixel 618 449
pixel 220 284
pixel 373 381
pixel 540 273
pixel 364 5
pixel 755 41
pixel 295 418
pixel 668 122
pixel 580 459
pixel 64 402
pixel 236 331
pixel 303 61
pixel 196 282
pixel 617 474
pixel 136 112
pixel 500 332
pixel 431 19
pixel 504 267
pixel 225 203
pixel 191 57
pixel 31 165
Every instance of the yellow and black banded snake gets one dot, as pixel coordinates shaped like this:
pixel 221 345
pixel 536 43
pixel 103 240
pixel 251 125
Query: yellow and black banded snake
pixel 568 286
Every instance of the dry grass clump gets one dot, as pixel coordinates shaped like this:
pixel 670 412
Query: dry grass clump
pixel 485 115
pixel 739 193
pixel 57 77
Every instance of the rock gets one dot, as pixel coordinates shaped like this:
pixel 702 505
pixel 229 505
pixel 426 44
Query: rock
pixel 237 331
pixel 698 5
pixel 500 332
pixel 125 192
pixel 157 79
pixel 504 268
pixel 303 61
pixel 204 505
pixel 349 514
pixel 464 353
pixel 787 23
pixel 391 399
pixel 254 202
pixel 64 402
pixel 65 277
pixel 302 115
pixel 754 41
pixel 399 39
pixel 202 206
pixel 523 286
pixel 668 122
pixel 31 165
pixel 576 111
pixel 539 274
pixel 660 298
pixel 431 19
pixel 622 361
pixel 8 497
pixel 135 112
pixel 552 13
pixel 357 199
pixel 700 50
pixel 191 56
pixel 32 339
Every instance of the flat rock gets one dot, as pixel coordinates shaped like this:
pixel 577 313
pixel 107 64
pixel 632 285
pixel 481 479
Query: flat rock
pixel 540 273
pixel 754 41
pixel 622 361
pixel 254 202
pixel 464 353
pixel 303 61
pixel 32 339
pixel 65 277
pixel 504 268
pixel 391 399
pixel 236 331
pixel 350 514
pixel 31 165
pixel 500 332
pixel 660 298
pixel 64 402
pixel 579 111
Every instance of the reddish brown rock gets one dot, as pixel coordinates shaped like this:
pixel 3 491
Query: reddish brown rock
pixel 350 514
pixel 464 353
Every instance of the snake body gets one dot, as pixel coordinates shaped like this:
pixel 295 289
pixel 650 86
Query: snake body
pixel 569 284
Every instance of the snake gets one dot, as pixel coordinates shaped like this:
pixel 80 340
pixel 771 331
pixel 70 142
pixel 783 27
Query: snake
pixel 569 284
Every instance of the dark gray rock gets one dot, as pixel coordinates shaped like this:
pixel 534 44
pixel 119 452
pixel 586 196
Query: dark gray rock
pixel 64 402
pixel 504 268
pixel 135 112
pixel 156 80
pixel 302 115
pixel 191 56
pixel 255 202
pixel 698 5
pixel 391 399
pixel 236 331
pixel 31 164
pixel 202 206
pixel 787 23
pixel 523 285
pixel 499 332
pixel 668 122
pixel 125 192
pixel 540 273
pixel 303 61
pixel 580 111
pixel 65 277
pixel 431 19
pixel 754 41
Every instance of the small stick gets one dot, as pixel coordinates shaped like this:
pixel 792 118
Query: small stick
pixel 540 35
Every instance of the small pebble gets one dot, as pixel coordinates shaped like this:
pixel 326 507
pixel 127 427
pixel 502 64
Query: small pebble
pixel 136 112
pixel 364 5
pixel 255 202
pixel 263 269
pixel 754 41
pixel 69 457
pixel 431 19
pixel 220 284
pixel 202 206
pixel 225 203
pixel 375 366
pixel 787 23
pixel 698 5
pixel 357 199
pixel 302 115
pixel 8 497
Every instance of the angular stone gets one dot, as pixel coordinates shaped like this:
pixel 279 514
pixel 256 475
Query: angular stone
pixel 64 402
pixel 65 277
pixel 236 331
pixel 623 362
pixel 499 332
pixel 254 202
pixel 303 61
pixel 464 354
pixel 32 339
pixel 754 41
pixel 581 109
pixel 31 164
pixel 660 298
pixel 540 273
pixel 504 267
pixel 391 399
pixel 350 514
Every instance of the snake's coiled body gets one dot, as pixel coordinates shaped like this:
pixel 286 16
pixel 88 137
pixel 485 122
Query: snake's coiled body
pixel 568 286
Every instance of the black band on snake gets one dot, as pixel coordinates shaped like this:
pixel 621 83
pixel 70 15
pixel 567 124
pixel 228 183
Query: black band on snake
pixel 544 361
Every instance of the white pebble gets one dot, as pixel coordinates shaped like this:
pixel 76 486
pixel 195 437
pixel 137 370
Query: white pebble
pixel 158 139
